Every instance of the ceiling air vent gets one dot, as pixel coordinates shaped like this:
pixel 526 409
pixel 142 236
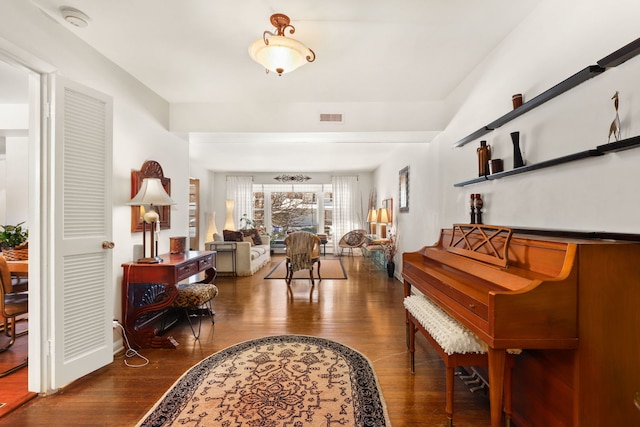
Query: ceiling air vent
pixel 336 118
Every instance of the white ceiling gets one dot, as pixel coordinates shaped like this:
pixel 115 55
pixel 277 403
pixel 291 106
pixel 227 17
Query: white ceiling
pixel 368 51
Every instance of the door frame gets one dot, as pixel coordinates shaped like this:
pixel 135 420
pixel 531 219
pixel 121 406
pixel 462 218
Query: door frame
pixel 39 73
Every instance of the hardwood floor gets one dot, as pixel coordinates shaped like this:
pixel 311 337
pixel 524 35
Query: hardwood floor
pixel 364 312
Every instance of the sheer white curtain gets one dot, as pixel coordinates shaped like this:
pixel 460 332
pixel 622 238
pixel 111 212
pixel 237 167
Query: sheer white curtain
pixel 240 190
pixel 346 207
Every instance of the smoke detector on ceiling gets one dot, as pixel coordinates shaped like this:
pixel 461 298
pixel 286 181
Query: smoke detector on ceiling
pixel 74 16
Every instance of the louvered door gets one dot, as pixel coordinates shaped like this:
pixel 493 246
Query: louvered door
pixel 82 294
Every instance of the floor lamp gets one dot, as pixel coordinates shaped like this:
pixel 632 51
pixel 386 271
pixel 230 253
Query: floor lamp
pixel 151 193
pixel 229 223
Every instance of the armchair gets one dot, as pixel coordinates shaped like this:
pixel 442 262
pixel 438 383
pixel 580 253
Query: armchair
pixel 351 240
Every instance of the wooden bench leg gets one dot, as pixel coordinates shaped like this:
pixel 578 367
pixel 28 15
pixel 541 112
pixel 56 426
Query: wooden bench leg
pixel 449 393
pixel 412 345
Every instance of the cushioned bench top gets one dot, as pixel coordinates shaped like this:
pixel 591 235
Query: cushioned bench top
pixel 445 330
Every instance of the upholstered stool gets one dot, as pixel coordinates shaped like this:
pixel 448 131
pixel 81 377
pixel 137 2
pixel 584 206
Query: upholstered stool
pixel 196 296
pixel 456 344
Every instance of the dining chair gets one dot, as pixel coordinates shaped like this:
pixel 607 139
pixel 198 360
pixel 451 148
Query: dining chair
pixel 12 305
pixel 302 253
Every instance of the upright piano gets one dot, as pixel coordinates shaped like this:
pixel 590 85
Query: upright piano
pixel 571 303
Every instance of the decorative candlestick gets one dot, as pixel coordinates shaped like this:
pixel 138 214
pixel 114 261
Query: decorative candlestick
pixel 477 204
pixel 473 209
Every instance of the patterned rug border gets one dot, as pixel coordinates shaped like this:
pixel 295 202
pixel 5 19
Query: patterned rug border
pixel 344 271
pixel 193 377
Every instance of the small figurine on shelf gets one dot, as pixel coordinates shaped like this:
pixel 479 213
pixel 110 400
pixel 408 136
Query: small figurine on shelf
pixel 614 128
pixel 484 155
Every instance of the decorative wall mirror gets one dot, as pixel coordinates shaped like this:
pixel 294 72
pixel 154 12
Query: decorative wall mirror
pixel 150 169
pixel 404 190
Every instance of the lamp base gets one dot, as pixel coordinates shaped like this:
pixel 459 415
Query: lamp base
pixel 151 260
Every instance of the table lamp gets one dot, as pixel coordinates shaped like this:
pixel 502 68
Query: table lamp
pixel 372 218
pixel 151 193
pixel 383 220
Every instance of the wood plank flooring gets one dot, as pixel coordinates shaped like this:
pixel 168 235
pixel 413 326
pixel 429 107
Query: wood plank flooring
pixel 364 312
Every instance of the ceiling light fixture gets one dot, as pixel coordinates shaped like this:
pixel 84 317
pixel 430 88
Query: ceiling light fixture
pixel 278 53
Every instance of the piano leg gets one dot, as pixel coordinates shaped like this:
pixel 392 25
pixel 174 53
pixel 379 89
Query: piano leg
pixel 497 358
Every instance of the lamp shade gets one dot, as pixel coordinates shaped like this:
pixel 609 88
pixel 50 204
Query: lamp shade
pixel 383 215
pixel 152 193
pixel 373 216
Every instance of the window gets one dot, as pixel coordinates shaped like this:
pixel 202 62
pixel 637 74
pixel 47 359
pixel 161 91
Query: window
pixel 282 208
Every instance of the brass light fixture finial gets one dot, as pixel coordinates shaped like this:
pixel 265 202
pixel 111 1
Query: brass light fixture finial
pixel 276 52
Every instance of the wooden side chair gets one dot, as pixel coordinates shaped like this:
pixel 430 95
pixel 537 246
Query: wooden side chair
pixel 302 252
pixel 12 305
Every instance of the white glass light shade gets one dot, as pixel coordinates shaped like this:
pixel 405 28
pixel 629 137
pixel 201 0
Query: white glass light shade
pixel 152 193
pixel 281 55
pixel 229 222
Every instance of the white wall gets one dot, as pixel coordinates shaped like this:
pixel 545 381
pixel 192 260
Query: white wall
pixel 140 121
pixel 598 194
pixel 17 181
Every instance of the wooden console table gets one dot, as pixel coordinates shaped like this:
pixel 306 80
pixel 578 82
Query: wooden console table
pixel 148 290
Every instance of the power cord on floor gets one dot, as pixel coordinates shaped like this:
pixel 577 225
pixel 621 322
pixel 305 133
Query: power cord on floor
pixel 129 353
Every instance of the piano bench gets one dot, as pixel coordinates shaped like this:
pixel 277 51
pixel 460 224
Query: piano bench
pixel 456 345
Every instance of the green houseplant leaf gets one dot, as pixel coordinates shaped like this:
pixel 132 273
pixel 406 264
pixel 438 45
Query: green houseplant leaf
pixel 13 235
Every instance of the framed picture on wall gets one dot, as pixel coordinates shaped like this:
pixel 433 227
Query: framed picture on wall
pixel 403 198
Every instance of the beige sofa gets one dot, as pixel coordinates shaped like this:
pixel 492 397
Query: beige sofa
pixel 248 258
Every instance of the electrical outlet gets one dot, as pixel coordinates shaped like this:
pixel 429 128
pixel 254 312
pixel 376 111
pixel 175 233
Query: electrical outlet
pixel 115 324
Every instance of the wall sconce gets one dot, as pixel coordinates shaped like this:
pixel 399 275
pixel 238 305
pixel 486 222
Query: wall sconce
pixel 383 220
pixel 278 53
pixel 151 193
pixel 372 218
pixel 229 224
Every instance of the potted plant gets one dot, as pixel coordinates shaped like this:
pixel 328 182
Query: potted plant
pixel 246 223
pixel 13 241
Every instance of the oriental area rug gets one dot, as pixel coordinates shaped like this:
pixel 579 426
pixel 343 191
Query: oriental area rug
pixel 329 269
pixel 277 381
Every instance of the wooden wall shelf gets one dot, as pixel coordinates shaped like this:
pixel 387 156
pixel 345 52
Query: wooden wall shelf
pixel 560 88
pixel 614 59
pixel 600 150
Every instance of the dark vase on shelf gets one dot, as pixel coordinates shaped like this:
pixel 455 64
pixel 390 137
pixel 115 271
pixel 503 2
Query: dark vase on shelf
pixel 484 155
pixel 517 154
pixel 391 268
